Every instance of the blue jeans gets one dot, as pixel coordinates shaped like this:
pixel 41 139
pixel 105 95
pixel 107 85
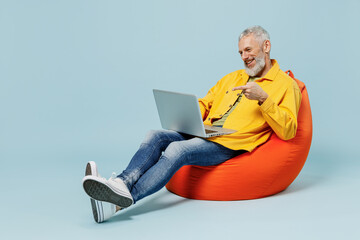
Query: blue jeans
pixel 162 153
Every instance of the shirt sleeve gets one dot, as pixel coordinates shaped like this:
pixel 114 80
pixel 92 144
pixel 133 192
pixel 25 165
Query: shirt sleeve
pixel 206 102
pixel 282 117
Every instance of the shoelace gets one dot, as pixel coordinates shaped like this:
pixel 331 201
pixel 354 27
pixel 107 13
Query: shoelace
pixel 113 175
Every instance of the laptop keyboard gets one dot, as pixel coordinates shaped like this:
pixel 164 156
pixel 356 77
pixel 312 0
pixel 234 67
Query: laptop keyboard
pixel 207 131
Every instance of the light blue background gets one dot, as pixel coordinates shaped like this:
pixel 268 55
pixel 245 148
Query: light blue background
pixel 75 85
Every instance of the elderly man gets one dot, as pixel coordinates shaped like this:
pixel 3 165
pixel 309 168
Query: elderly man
pixel 271 104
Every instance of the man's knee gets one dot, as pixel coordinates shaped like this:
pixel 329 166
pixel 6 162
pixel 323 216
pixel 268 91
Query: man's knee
pixel 155 135
pixel 152 134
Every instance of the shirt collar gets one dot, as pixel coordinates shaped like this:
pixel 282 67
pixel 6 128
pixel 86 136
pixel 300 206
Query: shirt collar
pixel 274 70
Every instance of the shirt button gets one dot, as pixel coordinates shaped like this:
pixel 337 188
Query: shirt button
pixel 227 92
pixel 238 94
pixel 230 106
pixel 208 118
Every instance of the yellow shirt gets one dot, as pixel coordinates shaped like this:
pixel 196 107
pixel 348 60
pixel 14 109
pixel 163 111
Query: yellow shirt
pixel 220 122
pixel 254 123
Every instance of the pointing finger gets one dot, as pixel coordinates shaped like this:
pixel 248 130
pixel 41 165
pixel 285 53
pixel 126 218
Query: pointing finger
pixel 239 88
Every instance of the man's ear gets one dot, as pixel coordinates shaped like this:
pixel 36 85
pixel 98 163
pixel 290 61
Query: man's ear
pixel 267 46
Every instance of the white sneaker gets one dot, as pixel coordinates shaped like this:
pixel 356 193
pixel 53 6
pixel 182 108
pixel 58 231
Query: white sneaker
pixel 113 190
pixel 102 211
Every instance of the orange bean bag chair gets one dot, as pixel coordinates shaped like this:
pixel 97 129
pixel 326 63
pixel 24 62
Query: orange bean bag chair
pixel 267 170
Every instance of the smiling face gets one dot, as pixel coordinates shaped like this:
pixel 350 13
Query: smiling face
pixel 254 55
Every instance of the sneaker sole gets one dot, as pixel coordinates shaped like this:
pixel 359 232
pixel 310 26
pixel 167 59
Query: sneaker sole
pixel 102 192
pixel 95 210
pixel 95 205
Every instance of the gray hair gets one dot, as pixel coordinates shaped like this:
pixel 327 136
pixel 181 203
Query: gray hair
pixel 260 34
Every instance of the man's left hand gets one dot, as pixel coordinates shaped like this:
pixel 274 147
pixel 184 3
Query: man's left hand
pixel 253 91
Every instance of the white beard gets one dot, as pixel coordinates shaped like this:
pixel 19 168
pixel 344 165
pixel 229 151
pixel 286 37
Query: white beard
pixel 259 66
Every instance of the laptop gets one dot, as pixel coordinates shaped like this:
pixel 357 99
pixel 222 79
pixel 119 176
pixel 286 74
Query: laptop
pixel 181 112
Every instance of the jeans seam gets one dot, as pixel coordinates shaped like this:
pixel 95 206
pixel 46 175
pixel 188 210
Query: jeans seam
pixel 152 146
pixel 171 167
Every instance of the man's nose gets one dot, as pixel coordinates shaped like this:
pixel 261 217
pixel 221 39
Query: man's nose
pixel 244 56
